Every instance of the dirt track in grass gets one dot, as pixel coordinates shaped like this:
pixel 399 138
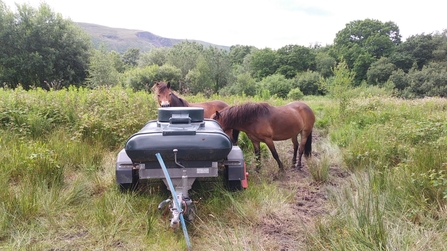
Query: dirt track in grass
pixel 286 229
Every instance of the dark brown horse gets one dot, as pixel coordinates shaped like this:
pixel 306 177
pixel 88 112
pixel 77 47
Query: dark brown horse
pixel 167 98
pixel 265 123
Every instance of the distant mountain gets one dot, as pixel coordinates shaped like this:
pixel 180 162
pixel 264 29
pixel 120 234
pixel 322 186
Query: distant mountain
pixel 120 40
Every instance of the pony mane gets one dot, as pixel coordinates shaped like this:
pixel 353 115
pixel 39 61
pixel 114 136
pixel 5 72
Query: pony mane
pixel 244 114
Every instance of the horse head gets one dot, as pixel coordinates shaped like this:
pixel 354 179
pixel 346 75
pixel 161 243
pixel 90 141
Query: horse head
pixel 164 93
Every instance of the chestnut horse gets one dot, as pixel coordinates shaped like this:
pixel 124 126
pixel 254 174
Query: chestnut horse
pixel 265 123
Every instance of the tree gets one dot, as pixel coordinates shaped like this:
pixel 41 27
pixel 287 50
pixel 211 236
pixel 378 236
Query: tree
pixel 199 79
pixel 430 81
pixel 308 82
pixel 184 56
pixel 169 73
pixel 219 67
pixel 324 64
pixel 239 52
pixel 339 86
pixel 362 42
pixel 244 85
pixel 141 78
pixel 262 63
pixel 277 84
pixel 39 46
pixel 416 49
pixel 102 69
pixel 154 56
pixel 400 80
pixel 292 59
pixel 380 71
pixel 131 57
pixel 364 32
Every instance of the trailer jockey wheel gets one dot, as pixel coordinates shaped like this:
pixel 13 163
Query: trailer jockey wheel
pixel 189 212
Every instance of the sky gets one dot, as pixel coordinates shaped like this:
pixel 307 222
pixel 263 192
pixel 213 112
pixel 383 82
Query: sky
pixel 261 23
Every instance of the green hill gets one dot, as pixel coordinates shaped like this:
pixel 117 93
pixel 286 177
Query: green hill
pixel 120 40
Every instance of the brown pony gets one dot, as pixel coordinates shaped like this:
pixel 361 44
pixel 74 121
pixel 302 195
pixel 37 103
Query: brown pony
pixel 167 98
pixel 265 123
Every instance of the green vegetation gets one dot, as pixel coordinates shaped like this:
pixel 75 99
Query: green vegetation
pixel 59 191
pixel 66 110
pixel 47 51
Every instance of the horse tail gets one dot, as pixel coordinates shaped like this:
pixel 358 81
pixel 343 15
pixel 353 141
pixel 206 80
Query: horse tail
pixel 235 136
pixel 308 146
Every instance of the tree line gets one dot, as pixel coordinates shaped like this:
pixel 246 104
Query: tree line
pixel 41 49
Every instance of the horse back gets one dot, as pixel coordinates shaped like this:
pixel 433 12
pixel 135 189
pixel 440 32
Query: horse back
pixel 293 116
pixel 210 107
pixel 304 112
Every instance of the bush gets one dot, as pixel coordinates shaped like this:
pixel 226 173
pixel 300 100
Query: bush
pixel 277 84
pixel 295 94
pixel 308 82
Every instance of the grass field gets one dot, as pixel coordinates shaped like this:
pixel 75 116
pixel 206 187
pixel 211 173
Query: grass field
pixel 58 151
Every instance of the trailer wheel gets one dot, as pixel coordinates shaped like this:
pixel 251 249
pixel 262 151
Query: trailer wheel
pixel 127 187
pixel 190 213
pixel 234 185
pixel 237 185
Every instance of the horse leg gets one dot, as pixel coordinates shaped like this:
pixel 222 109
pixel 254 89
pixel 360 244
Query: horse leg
pixel 295 150
pixel 305 145
pixel 257 148
pixel 271 145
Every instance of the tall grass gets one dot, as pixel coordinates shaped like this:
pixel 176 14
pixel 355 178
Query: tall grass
pixel 58 150
pixel 396 149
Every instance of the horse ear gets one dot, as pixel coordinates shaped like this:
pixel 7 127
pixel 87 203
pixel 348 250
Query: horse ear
pixel 169 85
pixel 217 115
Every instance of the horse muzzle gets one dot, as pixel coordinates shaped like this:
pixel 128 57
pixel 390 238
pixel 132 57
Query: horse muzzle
pixel 165 104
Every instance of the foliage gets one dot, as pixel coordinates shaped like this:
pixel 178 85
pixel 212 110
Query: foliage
pixel 40 46
pixel 244 85
pixel 277 84
pixel 338 86
pixel 102 71
pixel 324 64
pixel 130 57
pixel 184 56
pixel 379 71
pixel 429 81
pixel 370 33
pixel 262 63
pixel 362 42
pixel 292 59
pixel 308 82
pixel 396 152
pixel 417 49
pixel 239 52
pixel 155 56
pixel 219 65
pixel 295 94
pixel 199 79
pixel 371 49
pixel 141 78
pixel 58 178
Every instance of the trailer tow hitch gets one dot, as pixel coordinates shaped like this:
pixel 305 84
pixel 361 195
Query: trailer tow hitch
pixel 175 206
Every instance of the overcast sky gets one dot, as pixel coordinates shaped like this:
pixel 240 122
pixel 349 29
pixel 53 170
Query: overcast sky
pixel 261 23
